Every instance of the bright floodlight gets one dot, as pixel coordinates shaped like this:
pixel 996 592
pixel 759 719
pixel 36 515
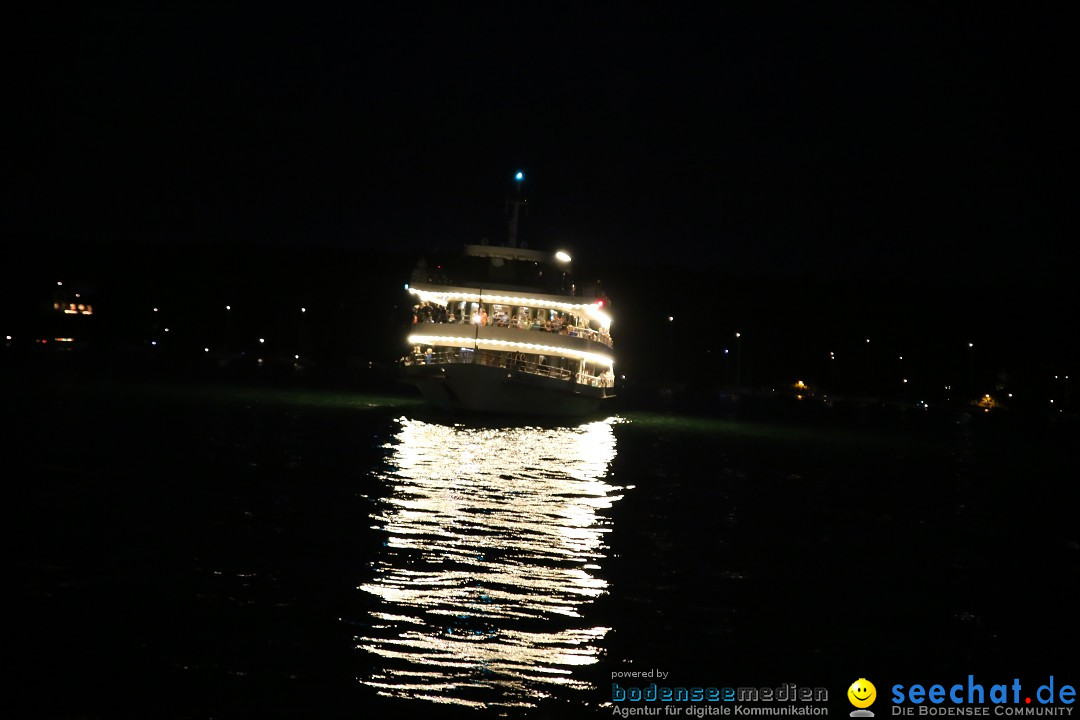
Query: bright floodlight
pixel 519 176
pixel 562 256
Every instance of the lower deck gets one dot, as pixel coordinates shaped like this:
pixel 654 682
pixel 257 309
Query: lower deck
pixel 484 381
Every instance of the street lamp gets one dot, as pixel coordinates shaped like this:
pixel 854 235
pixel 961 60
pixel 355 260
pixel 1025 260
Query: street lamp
pixel 971 369
pixel 866 370
pixel 671 346
pixel 228 329
pixel 738 359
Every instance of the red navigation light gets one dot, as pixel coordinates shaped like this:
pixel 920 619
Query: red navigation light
pixel 600 303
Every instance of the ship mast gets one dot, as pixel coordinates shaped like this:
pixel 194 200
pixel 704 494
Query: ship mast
pixel 515 210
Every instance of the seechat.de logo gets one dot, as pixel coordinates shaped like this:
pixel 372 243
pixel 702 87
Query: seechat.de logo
pixel 862 694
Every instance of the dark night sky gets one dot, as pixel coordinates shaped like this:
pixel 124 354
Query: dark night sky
pixel 931 142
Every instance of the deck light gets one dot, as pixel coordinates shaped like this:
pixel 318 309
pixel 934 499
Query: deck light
pixel 562 256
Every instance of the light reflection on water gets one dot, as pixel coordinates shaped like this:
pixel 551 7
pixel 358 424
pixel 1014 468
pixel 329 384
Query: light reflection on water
pixel 493 537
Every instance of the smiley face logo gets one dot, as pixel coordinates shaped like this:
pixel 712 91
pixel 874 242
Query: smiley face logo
pixel 862 693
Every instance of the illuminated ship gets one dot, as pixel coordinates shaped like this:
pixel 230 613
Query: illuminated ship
pixel 504 329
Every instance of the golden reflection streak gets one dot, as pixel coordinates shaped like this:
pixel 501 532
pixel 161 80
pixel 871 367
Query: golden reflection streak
pixel 492 536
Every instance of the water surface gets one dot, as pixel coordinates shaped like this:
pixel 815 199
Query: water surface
pixel 207 551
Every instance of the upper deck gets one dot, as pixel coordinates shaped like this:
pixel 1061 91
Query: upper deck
pixel 588 319
pixel 514 269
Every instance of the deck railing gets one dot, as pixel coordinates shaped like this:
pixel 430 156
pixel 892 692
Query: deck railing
pixel 449 356
pixel 588 333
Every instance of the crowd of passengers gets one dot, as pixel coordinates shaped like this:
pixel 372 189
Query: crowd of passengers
pixel 562 323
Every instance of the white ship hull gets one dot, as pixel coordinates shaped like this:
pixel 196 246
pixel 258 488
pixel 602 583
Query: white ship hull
pixel 485 389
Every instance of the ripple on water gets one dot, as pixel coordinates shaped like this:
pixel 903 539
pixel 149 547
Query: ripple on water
pixel 493 539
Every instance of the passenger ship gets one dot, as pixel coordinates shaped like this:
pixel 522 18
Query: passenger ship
pixel 504 329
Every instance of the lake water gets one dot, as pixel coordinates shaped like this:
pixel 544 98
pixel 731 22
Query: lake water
pixel 202 551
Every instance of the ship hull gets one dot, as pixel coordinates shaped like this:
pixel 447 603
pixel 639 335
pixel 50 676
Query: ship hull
pixel 464 387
